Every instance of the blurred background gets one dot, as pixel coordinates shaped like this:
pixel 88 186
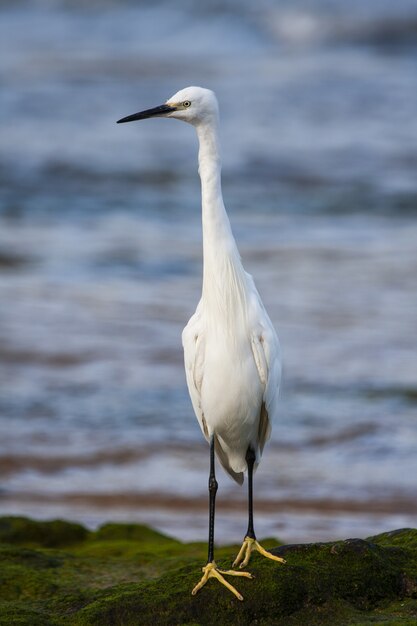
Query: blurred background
pixel 100 258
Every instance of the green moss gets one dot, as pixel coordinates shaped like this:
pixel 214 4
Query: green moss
pixel 24 531
pixel 132 532
pixel 12 613
pixel 56 573
pixel 404 537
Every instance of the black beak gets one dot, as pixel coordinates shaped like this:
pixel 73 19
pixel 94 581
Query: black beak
pixel 143 115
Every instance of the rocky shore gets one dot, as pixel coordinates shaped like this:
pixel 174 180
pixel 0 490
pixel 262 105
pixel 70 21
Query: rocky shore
pixel 56 573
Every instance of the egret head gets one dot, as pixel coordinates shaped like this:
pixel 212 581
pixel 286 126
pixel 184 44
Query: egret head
pixel 194 105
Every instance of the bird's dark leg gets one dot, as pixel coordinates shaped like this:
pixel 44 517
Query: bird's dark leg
pixel 250 460
pixel 212 485
pixel 211 570
pixel 250 543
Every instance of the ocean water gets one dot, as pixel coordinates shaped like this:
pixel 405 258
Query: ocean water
pixel 100 258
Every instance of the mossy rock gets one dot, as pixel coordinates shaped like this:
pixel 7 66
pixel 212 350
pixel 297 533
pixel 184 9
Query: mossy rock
pixel 24 531
pixel 58 573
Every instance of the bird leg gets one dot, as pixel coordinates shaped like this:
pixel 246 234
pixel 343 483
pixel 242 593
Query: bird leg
pixel 250 543
pixel 211 570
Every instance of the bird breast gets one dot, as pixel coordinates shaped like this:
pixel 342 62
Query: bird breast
pixel 231 391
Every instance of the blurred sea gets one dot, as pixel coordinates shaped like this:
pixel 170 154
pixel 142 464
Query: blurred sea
pixel 100 258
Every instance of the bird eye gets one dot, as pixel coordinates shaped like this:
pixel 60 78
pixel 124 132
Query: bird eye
pixel 186 104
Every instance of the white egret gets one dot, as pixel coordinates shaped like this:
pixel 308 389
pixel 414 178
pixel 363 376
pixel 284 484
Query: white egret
pixel 231 350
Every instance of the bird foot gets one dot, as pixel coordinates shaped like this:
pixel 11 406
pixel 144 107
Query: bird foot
pixel 211 571
pixel 250 544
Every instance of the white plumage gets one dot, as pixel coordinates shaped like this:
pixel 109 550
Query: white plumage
pixel 231 350
pixel 233 367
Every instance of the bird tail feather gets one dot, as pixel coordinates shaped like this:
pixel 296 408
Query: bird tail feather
pixel 222 456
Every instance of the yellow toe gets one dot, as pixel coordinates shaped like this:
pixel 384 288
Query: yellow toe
pixel 248 546
pixel 212 571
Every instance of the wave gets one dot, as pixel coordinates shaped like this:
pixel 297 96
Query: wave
pixel 395 504
pixel 28 189
pixel 308 28
pixel 334 22
pixel 51 464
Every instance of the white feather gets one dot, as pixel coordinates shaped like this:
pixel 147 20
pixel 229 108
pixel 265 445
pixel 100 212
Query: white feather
pixel 231 350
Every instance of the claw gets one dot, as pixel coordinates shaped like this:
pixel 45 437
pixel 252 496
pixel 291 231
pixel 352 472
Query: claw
pixel 211 571
pixel 250 544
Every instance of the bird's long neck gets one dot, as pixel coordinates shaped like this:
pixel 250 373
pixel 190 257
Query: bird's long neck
pixel 222 266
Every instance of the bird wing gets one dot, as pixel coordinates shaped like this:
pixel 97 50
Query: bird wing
pixel 267 355
pixel 193 342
